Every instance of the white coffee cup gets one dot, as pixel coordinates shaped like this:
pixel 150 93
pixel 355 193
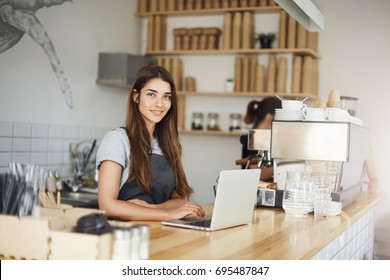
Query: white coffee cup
pixel 337 114
pixel 314 114
pixel 294 105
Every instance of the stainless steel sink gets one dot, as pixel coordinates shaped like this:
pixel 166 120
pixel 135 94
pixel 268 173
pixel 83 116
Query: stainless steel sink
pixel 79 199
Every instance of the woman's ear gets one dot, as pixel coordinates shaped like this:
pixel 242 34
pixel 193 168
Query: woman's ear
pixel 269 117
pixel 135 96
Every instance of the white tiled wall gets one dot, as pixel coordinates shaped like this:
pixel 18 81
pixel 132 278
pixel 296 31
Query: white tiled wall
pixel 356 243
pixel 46 145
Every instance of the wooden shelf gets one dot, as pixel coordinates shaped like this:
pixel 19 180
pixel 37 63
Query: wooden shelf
pixel 303 51
pixel 268 9
pixel 213 132
pixel 247 94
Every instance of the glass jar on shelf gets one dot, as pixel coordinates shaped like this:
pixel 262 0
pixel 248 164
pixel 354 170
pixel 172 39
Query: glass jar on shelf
pixel 235 121
pixel 197 121
pixel 213 121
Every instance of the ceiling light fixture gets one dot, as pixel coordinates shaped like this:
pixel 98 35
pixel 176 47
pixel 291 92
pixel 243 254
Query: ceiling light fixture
pixel 305 12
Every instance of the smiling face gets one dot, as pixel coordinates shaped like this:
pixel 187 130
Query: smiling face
pixel 154 102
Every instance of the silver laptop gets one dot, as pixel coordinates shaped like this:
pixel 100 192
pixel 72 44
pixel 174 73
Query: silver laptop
pixel 234 202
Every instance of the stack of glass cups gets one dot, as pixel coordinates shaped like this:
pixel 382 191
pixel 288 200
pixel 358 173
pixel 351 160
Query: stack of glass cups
pixel 322 190
pixel 297 196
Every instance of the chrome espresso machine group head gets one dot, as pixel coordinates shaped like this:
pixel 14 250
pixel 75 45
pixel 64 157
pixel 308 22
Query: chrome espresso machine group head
pixel 260 140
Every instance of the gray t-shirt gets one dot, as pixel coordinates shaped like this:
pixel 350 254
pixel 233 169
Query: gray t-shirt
pixel 115 146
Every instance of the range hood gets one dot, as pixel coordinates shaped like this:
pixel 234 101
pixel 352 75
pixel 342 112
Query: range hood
pixel 119 69
pixel 305 12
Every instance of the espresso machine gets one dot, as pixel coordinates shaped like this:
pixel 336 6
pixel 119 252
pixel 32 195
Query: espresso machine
pixel 260 140
pixel 336 149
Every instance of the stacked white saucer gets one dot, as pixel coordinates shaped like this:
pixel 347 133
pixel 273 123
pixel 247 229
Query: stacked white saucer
pixel 288 115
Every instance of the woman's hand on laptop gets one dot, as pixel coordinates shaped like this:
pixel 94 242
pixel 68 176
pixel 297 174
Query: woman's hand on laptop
pixel 188 209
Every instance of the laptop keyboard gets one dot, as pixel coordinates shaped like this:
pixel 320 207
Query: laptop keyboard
pixel 202 223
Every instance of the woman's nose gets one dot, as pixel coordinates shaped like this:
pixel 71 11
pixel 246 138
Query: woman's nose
pixel 159 102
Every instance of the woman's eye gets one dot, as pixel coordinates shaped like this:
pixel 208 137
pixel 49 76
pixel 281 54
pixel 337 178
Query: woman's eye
pixel 168 96
pixel 150 94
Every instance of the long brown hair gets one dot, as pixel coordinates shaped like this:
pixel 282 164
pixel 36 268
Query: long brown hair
pixel 165 131
pixel 257 110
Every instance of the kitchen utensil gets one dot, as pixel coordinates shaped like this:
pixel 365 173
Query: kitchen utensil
pixel 20 187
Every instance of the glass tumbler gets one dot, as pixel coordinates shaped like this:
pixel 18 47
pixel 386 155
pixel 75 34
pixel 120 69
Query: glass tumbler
pixel 322 190
pixel 297 196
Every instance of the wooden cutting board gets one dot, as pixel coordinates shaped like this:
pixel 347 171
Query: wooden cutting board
pixel 307 74
pixel 247 37
pixel 282 29
pixel 281 78
pixel 252 73
pixel 157 33
pixel 312 41
pixel 301 36
pixel 142 6
pixel 296 74
pixel 227 31
pixel 245 73
pixel 291 33
pixel 260 79
pixel 237 38
pixel 198 4
pixel 315 77
pixel 271 74
pixel 238 74
pixel 171 6
pixel 150 43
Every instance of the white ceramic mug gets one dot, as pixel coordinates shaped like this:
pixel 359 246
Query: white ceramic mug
pixel 295 105
pixel 337 114
pixel 314 114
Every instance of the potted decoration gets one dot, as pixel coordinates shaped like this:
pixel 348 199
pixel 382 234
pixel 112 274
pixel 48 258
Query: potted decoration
pixel 266 39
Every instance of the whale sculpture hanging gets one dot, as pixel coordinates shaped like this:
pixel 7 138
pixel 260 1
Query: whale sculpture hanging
pixel 17 17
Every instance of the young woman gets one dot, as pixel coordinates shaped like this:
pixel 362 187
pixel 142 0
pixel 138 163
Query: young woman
pixel 141 175
pixel 260 114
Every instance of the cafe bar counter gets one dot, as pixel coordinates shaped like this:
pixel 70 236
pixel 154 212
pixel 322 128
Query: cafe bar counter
pixel 275 236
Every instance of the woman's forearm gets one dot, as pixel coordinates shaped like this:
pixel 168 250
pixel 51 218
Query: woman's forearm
pixel 173 203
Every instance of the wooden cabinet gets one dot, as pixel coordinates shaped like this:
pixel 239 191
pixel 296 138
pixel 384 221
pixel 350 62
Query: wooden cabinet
pixel 293 41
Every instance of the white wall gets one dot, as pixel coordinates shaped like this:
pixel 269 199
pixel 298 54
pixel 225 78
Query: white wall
pixel 79 30
pixel 355 59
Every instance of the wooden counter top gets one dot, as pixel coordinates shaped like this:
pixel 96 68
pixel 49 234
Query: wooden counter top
pixel 273 235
